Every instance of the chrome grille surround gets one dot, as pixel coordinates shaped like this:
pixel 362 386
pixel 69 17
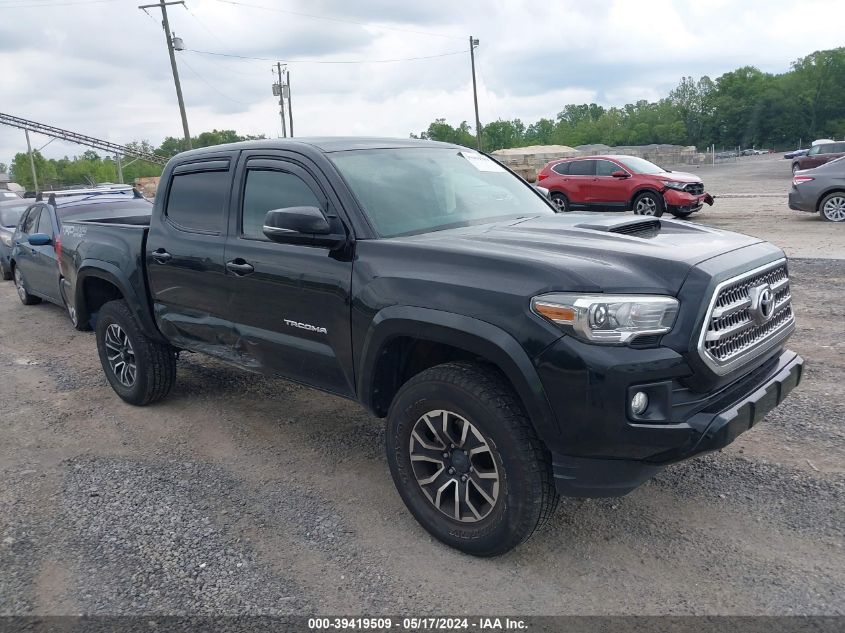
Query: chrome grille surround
pixel 729 336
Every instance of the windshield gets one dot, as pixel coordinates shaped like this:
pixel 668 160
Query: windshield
pixel 640 165
pixel 417 190
pixel 9 216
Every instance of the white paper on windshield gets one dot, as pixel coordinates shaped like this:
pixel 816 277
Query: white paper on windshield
pixel 481 162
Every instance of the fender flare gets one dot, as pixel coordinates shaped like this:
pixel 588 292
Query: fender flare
pixel 468 334
pixel 93 268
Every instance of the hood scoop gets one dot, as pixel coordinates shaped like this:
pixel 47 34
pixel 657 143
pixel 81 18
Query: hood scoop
pixel 635 227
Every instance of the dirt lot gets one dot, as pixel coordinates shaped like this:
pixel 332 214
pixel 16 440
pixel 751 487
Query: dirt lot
pixel 245 495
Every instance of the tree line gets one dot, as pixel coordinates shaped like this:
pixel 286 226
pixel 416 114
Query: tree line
pixel 745 107
pixel 89 168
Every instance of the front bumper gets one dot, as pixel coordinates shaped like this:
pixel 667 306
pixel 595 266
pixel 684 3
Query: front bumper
pixel 799 202
pixel 613 456
pixel 683 202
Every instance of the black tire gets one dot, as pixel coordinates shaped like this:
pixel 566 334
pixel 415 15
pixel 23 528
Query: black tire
pixel 20 285
pixel 560 202
pixel 795 167
pixel 525 497
pixel 651 202
pixel 832 207
pixel 5 273
pixel 154 362
pixel 73 315
pixel 682 215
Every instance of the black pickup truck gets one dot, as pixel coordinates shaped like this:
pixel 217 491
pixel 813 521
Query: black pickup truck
pixel 517 354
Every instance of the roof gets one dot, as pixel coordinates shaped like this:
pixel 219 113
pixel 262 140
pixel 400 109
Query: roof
pixel 322 143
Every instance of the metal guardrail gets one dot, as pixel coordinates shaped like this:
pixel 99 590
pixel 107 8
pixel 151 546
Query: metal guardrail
pixel 67 135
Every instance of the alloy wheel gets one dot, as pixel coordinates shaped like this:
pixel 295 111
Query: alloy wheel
pixel 646 206
pixel 19 284
pixel 560 203
pixel 454 466
pixel 120 355
pixel 834 209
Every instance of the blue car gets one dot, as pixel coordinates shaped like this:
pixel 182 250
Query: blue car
pixel 796 153
pixel 36 243
pixel 10 215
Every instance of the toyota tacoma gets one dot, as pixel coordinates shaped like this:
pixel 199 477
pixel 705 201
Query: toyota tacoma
pixel 516 354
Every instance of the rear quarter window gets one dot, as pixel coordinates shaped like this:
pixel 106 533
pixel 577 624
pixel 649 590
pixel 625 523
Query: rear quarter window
pixel 561 168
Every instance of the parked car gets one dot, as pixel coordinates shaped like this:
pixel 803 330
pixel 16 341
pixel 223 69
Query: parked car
pixel 622 183
pixel 820 190
pixel 6 196
pixel 819 155
pixel 37 245
pixel 796 153
pixel 10 215
pixel 516 353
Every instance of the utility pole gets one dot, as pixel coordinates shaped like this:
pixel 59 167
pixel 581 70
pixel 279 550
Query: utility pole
pixel 279 89
pixel 31 161
pixel 473 42
pixel 290 105
pixel 165 23
pixel 119 168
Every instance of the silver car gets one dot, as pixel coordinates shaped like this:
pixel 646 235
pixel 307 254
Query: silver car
pixel 821 189
pixel 10 213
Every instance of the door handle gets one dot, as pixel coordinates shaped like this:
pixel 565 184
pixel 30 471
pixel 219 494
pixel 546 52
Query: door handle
pixel 161 256
pixel 240 267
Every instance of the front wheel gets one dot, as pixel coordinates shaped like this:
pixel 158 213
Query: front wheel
pixel 649 203
pixel 561 203
pixel 681 215
pixel 140 370
pixel 20 285
pixel 832 208
pixel 466 459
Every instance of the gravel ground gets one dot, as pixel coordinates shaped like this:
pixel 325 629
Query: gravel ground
pixel 247 495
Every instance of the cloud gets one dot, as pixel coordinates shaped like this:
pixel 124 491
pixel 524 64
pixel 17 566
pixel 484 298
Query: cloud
pixel 103 69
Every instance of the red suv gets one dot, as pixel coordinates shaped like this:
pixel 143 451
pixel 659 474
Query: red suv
pixel 622 183
pixel 819 155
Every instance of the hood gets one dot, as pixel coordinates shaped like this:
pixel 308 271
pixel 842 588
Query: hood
pixel 677 176
pixel 594 252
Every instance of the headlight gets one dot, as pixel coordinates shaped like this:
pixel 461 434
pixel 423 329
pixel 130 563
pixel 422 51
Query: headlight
pixel 6 238
pixel 675 185
pixel 608 319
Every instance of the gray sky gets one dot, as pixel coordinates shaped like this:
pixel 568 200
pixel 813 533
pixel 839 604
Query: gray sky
pixel 101 67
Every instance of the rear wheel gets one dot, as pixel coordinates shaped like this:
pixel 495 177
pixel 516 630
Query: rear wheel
pixel 139 369
pixel 648 203
pixel 466 459
pixel 832 208
pixel 20 284
pixel 561 202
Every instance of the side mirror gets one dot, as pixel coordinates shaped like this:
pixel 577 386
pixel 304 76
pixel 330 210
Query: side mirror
pixel 40 239
pixel 621 174
pixel 543 192
pixel 303 225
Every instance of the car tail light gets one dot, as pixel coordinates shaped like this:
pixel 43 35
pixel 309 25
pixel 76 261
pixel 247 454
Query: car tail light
pixel 541 176
pixel 58 244
pixel 797 180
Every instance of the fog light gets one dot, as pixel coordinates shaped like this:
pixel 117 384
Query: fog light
pixel 639 403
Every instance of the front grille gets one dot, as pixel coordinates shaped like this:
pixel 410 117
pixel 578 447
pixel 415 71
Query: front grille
pixel 734 331
pixel 694 188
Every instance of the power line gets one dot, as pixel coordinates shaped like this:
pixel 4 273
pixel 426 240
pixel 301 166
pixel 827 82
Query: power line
pixel 210 85
pixel 344 20
pixel 329 61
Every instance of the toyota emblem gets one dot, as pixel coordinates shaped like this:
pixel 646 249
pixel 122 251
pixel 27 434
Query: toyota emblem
pixel 762 303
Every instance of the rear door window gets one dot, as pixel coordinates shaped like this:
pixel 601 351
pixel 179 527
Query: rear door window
pixel 197 201
pixel 582 168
